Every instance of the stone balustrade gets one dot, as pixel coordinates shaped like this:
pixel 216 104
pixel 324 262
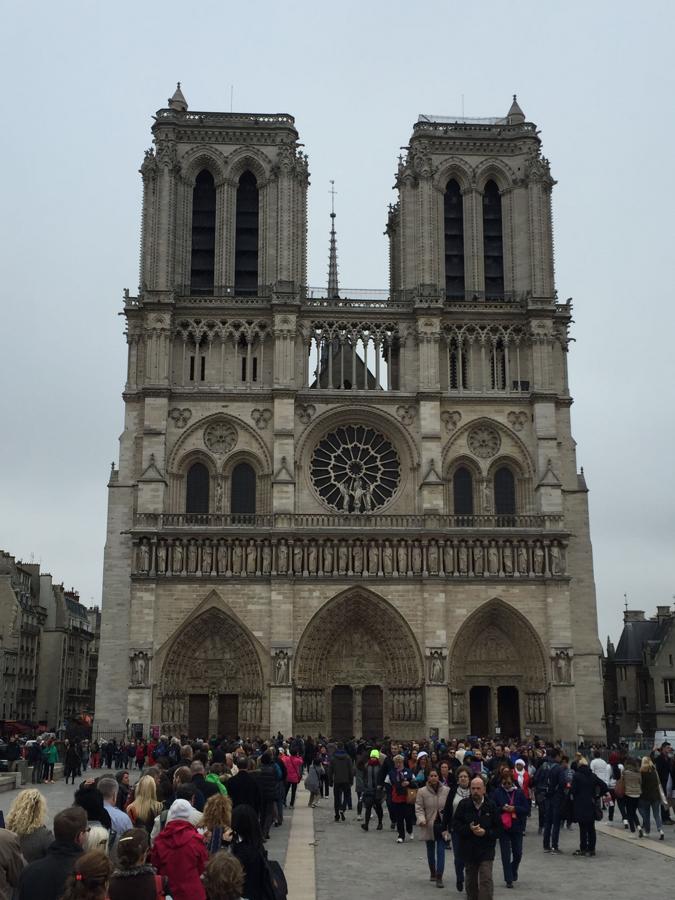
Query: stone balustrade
pixel 159 557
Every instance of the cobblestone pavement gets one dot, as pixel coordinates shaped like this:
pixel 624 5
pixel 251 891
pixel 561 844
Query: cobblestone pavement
pixel 351 863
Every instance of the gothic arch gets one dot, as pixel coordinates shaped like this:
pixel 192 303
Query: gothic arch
pixel 497 643
pixel 496 170
pixel 247 436
pixel 250 159
pixel 453 167
pixel 512 448
pixel 199 158
pixel 360 638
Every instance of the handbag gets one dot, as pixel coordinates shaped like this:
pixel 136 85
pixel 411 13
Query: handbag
pixel 410 795
pixel 275 886
pixel 507 820
pixel 598 809
pixel 620 788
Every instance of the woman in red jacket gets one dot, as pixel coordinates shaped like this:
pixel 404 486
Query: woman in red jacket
pixel 179 854
pixel 293 765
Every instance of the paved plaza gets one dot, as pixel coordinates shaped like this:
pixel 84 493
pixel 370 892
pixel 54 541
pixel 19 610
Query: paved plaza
pixel 328 860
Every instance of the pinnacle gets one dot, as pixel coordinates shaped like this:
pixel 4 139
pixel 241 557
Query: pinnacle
pixel 515 115
pixel 178 101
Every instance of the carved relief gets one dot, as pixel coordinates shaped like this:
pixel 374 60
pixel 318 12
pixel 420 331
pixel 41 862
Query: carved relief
pixel 562 666
pixel 261 417
pixel 282 667
pixel 220 437
pixel 140 669
pixel 458 706
pixel 180 417
pixel 305 412
pixel 517 419
pixel 436 663
pixel 451 419
pixel 406 414
pixel 484 441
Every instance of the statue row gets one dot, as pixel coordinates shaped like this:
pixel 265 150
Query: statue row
pixel 336 557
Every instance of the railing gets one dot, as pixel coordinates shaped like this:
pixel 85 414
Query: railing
pixel 349 521
pixel 225 118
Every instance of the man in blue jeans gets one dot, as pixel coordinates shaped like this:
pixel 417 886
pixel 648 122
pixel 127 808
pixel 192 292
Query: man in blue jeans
pixel 555 794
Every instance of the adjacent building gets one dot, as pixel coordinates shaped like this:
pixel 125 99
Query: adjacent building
pixel 640 676
pixel 358 513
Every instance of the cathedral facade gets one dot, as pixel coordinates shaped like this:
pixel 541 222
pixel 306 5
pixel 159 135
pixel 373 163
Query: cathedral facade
pixel 355 515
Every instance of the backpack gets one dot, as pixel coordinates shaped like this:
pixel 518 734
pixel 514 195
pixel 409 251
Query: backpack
pixel 274 884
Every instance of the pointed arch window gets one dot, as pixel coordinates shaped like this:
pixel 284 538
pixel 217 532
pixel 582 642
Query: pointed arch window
pixel 462 492
pixel 505 495
pixel 493 244
pixel 454 241
pixel 203 234
pixel 243 490
pixel 246 236
pixel 197 492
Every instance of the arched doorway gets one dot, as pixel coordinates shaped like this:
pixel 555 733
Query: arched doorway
pixel 496 669
pixel 212 681
pixel 358 671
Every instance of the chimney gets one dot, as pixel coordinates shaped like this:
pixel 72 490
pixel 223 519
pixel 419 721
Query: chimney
pixel 634 615
pixel 662 614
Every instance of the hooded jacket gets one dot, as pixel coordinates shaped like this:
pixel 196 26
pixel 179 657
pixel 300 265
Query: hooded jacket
pixel 341 769
pixel 180 854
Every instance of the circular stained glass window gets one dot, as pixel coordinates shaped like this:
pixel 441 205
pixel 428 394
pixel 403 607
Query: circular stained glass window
pixel 355 469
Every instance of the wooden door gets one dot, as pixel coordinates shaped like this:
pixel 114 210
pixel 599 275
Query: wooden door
pixel 479 704
pixel 198 716
pixel 342 713
pixel 508 712
pixel 372 712
pixel 228 716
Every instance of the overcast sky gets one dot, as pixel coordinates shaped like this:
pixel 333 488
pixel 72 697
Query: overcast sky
pixel 80 82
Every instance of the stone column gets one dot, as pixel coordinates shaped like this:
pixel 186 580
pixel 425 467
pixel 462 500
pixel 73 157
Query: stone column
pixel 357 707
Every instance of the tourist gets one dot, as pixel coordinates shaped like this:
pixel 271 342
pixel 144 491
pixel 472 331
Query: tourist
pixel 402 798
pixel 34 759
pixel 616 791
pixel 555 785
pixel 120 821
pixel 145 807
pixel 244 787
pixel 632 789
pixel 84 754
pixel 267 776
pixel 459 791
pixel 217 822
pixel 95 755
pixel 50 756
pixel 521 777
pixel 665 768
pixel 341 778
pixel 134 878
pixel 293 774
pixel 429 809
pixel 373 789
pixel 90 878
pixel 477 823
pixel 586 791
pixel 650 797
pixel 198 773
pixel 11 863
pixel 72 762
pixel 26 818
pixel 446 774
pixel 123 790
pixel 178 852
pixel 182 808
pixel 513 807
pixel 314 780
pixel 422 768
pixel 97 838
pixel 247 847
pixel 89 798
pixel 223 878
pixel 45 878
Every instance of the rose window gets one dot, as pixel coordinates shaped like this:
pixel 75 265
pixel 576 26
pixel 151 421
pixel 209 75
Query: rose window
pixel 220 437
pixel 355 469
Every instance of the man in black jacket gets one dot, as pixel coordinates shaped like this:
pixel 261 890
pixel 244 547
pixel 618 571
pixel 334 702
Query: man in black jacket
pixel 665 769
pixel 477 824
pixel 45 878
pixel 341 776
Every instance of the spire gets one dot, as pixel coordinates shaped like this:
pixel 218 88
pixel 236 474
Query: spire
pixel 178 101
pixel 515 115
pixel 333 290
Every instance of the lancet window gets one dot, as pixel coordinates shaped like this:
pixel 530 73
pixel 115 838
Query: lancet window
pixel 353 356
pixel 484 358
pixel 243 490
pixel 493 245
pixel 505 494
pixel 453 209
pixel 462 492
pixel 246 236
pixel 203 234
pixel 230 353
pixel 197 489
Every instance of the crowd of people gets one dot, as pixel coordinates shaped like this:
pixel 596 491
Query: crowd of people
pixel 195 824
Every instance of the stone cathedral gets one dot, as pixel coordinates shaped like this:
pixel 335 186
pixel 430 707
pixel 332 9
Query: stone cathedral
pixel 354 513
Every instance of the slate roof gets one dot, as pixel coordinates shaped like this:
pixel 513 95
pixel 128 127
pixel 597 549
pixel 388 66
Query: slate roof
pixel 635 636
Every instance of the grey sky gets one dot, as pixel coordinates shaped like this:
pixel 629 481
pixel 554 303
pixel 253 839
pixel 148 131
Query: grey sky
pixel 80 83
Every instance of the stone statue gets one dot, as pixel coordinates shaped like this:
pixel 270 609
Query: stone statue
pixel 357 494
pixel 357 557
pixel 447 558
pixel 207 557
pixel 312 558
pixel 373 558
pixel 177 558
pixel 343 557
pixel 458 707
pixel 463 559
pixel 563 667
pixel 266 558
pixel 487 498
pixel 139 663
pixel 493 559
pixel 144 557
pixel 555 557
pixel 297 558
pixel 251 557
pixel 161 557
pixel 531 710
pixel 402 558
pixel 522 559
pixel 507 559
pixel 328 558
pixel 237 558
pixel 281 667
pixel 282 557
pixel 538 559
pixel 432 558
pixel 367 499
pixel 192 557
pixel 387 559
pixel 219 494
pixel 221 557
pixel 416 558
pixel 478 559
pixel 436 667
pixel 344 494
pixel 541 708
